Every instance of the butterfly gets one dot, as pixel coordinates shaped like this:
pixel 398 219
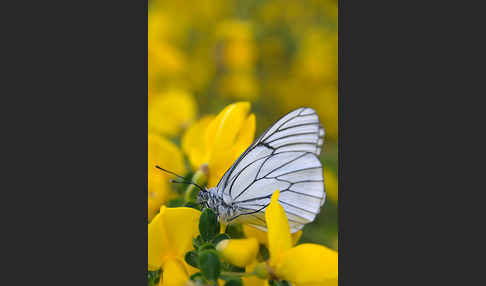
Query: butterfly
pixel 284 157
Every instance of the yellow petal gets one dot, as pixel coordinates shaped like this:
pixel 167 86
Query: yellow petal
pixel 174 273
pixel 296 236
pixel 222 159
pixel 244 139
pixel 164 153
pixel 254 281
pixel 239 252
pixel 218 164
pixel 247 133
pixel 170 234
pixel 191 270
pixel 333 282
pixel 222 131
pixel 279 239
pixel 159 191
pixel 171 111
pixel 157 241
pixel 308 263
pixel 331 184
pixel 153 208
pixel 262 237
pixel 193 143
pixel 182 225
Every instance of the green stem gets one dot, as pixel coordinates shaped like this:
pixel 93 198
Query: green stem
pixel 238 274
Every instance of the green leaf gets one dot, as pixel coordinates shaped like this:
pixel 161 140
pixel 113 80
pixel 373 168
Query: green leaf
pixel 231 268
pixel 192 258
pixel 208 225
pixel 206 246
pixel 278 283
pixel 196 276
pixel 234 231
pixel 209 264
pixel 226 277
pixel 196 242
pixel 234 282
pixel 220 237
pixel 153 277
pixel 263 254
pixel 175 203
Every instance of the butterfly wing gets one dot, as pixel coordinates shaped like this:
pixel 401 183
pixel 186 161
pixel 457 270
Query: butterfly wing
pixel 284 157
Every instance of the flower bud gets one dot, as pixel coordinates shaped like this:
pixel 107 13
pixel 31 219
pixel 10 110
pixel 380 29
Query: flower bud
pixel 239 252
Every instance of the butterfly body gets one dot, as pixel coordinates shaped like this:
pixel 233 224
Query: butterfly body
pixel 284 157
pixel 223 210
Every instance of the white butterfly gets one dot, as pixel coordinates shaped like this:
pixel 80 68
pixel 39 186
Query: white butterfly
pixel 284 157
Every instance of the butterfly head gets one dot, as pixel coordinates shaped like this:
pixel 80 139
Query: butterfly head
pixel 208 199
pixel 202 197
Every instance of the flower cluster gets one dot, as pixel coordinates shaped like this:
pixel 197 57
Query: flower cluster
pixel 190 247
pixel 196 252
pixel 211 144
pixel 280 53
pixel 203 55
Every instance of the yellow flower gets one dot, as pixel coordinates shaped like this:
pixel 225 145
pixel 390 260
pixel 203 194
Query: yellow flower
pixel 170 236
pixel 239 50
pixel 170 112
pixel 175 273
pixel 242 253
pixel 309 264
pixel 305 264
pixel 192 142
pixel 165 59
pixel 262 237
pixel 219 141
pixel 239 85
pixel 317 60
pixel 302 265
pixel 165 154
pixel 239 252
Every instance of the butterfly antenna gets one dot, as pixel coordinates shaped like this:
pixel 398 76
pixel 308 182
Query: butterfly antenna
pixel 181 177
pixel 189 183
pixel 170 172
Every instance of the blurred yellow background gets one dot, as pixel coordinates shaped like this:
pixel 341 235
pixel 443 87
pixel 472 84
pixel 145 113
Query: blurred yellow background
pixel 278 55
